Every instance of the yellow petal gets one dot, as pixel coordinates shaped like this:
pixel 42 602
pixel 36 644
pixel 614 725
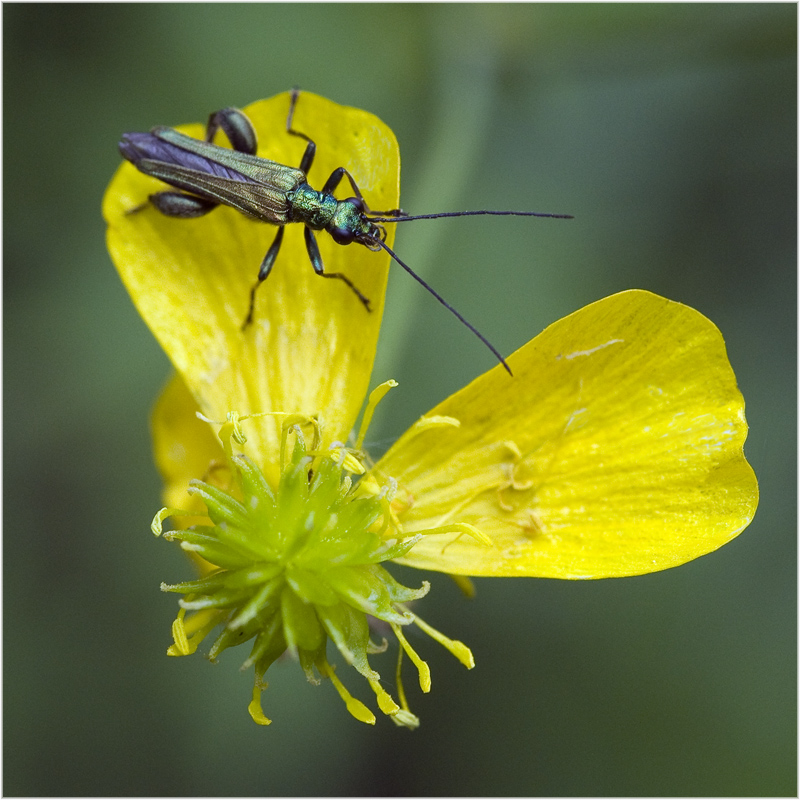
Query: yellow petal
pixel 185 447
pixel 191 279
pixel 615 450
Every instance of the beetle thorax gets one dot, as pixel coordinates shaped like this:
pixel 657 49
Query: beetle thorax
pixel 312 208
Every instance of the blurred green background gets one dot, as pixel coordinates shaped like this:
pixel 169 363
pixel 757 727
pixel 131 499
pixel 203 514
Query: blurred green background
pixel 669 131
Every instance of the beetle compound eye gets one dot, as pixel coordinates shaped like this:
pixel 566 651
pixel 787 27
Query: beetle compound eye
pixel 342 235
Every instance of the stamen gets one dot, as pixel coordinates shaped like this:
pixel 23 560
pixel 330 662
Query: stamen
pixel 385 702
pixel 238 434
pixel 462 528
pixel 375 396
pixel 295 422
pixel 465 584
pixel 355 707
pixel 435 421
pixel 373 648
pixel 398 675
pixel 431 423
pixel 405 719
pixel 231 430
pixel 388 491
pixel 157 525
pixel 344 458
pixel 254 707
pixel 179 636
pixel 458 649
pixel 188 635
pixel 422 668
pixel 298 564
pixel 200 621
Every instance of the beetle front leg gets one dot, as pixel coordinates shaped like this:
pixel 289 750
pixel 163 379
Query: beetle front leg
pixel 336 178
pixel 316 262
pixel 311 147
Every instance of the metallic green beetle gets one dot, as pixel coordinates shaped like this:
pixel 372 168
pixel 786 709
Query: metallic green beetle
pixel 208 175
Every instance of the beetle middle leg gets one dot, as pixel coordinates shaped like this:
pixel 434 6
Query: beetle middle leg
pixel 316 263
pixel 263 273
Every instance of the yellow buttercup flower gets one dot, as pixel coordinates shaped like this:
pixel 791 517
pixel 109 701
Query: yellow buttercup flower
pixel 616 449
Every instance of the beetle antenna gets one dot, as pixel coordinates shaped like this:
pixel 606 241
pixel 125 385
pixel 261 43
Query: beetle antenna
pixel 409 218
pixel 442 300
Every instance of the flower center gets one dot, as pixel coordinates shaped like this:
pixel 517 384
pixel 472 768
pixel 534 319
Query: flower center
pixel 297 566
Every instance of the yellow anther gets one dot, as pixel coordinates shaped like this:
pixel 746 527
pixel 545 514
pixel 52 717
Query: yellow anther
pixel 465 584
pixel 157 525
pixel 236 420
pixel 296 422
pixel 230 431
pixel 369 486
pixel 346 459
pixel 385 702
pixel 422 667
pixel 203 620
pixel 355 707
pixel 405 719
pixel 254 707
pixel 514 448
pixel 187 634
pixel 458 649
pixel 181 646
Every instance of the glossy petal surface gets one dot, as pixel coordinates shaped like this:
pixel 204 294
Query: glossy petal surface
pixel 615 450
pixel 185 448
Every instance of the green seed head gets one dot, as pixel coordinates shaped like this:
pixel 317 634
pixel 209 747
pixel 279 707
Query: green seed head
pixel 296 567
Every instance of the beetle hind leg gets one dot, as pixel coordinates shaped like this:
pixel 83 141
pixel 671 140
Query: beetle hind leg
pixel 236 126
pixel 180 205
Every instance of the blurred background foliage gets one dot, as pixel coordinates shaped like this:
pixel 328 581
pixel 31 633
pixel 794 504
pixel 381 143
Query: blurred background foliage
pixel 669 131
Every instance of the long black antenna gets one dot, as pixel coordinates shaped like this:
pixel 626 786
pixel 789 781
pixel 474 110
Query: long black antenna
pixel 437 295
pixel 409 218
